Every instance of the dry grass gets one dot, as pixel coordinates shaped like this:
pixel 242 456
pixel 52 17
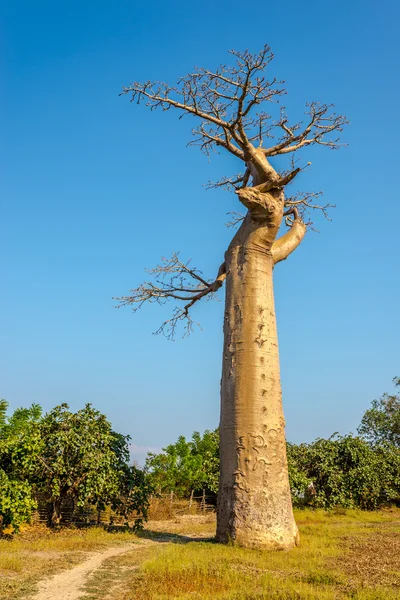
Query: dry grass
pixel 335 561
pixel 39 552
pixel 162 509
pixel 343 555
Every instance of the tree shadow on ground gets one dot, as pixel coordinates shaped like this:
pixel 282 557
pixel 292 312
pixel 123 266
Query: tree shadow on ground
pixel 173 538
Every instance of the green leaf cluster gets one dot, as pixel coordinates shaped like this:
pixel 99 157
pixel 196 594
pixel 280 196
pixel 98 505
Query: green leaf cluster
pixel 20 446
pixel 187 465
pixel 381 423
pixel 344 471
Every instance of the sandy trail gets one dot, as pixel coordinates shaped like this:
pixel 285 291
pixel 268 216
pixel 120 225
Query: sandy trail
pixel 68 585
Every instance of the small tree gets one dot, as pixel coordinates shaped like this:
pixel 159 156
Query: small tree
pixel 187 466
pixel 231 105
pixel 381 423
pixel 82 458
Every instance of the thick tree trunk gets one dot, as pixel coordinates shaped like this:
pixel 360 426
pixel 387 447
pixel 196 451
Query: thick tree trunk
pixel 254 502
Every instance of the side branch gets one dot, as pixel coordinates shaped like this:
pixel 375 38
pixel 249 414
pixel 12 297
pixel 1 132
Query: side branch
pixel 174 279
pixel 288 243
pixel 321 125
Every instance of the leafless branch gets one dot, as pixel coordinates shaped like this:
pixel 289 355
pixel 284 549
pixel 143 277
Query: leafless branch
pixel 237 182
pixel 177 280
pixel 230 102
pixel 303 202
pixel 223 100
pixel 235 220
pixel 322 123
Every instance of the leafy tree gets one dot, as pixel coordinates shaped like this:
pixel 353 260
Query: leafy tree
pixel 187 465
pixel 381 423
pixel 65 454
pixel 231 106
pixel 17 502
pixel 344 471
pixel 207 446
pixel 134 494
pixel 82 458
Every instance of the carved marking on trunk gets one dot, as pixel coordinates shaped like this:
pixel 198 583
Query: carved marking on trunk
pixel 252 454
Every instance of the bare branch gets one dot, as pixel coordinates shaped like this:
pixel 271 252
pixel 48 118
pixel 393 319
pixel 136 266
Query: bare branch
pixel 322 122
pixel 231 182
pixel 222 99
pixel 236 219
pixel 232 106
pixel 304 202
pixel 174 279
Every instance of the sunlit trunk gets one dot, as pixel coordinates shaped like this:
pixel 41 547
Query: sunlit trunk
pixel 254 503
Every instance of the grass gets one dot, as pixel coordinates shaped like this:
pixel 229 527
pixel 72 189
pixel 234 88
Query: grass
pixel 39 552
pixel 343 555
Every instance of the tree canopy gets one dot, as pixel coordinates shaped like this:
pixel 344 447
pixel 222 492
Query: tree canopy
pixel 238 108
pixel 381 423
pixel 187 466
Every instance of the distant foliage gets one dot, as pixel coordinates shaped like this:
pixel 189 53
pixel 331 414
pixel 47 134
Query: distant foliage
pixel 187 466
pixel 344 471
pixel 381 423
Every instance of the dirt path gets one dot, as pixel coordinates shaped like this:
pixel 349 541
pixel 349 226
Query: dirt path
pixel 68 584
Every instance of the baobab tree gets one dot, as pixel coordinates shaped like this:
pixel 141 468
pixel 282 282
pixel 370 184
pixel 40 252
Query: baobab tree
pixel 230 107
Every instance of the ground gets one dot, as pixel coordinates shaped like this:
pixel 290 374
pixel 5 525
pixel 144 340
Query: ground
pixel 343 555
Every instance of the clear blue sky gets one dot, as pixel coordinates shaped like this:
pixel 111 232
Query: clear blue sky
pixel 95 189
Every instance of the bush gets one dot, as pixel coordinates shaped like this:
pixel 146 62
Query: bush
pixel 344 471
pixel 16 502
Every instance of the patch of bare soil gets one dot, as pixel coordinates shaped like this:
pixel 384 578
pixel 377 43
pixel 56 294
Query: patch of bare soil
pixel 68 584
pixel 373 560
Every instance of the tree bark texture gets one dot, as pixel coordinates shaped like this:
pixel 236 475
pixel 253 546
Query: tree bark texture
pixel 254 502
